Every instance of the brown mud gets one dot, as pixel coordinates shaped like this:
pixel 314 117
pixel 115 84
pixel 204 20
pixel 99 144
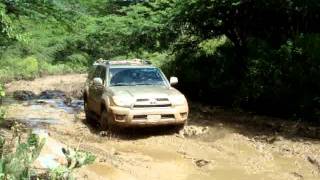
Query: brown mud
pixel 216 144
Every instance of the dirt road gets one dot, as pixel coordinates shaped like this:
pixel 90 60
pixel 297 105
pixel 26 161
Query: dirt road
pixel 217 144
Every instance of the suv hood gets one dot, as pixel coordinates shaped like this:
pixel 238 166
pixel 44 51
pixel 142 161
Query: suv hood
pixel 139 92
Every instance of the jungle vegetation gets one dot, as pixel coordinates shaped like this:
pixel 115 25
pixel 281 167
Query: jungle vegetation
pixel 258 55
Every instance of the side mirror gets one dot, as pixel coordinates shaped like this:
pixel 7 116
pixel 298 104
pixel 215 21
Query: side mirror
pixel 97 81
pixel 173 80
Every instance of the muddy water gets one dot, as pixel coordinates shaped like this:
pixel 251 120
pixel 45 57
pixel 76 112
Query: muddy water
pixel 40 112
pixel 227 150
pixel 220 153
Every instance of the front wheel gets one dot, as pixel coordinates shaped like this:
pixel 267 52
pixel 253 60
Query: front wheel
pixel 88 113
pixel 179 127
pixel 105 119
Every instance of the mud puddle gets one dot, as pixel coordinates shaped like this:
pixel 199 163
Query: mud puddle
pixel 213 146
pixel 37 114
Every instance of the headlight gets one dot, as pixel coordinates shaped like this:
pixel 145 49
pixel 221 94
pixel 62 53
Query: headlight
pixel 178 100
pixel 123 101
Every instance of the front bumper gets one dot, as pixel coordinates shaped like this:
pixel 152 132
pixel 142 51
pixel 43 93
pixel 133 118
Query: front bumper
pixel 125 117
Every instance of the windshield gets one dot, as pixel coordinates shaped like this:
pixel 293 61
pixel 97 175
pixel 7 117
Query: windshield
pixel 136 76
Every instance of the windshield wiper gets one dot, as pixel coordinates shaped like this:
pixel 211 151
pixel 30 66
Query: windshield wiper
pixel 147 84
pixel 123 84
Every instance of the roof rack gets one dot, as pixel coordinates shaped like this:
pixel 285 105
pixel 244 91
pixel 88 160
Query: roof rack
pixel 123 62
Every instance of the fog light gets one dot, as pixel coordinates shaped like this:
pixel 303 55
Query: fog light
pixel 184 115
pixel 120 117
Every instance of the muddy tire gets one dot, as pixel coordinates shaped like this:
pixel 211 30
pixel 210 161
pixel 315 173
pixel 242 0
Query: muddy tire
pixel 179 127
pixel 105 121
pixel 88 113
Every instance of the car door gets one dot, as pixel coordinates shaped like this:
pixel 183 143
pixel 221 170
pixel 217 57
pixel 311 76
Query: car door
pixel 96 91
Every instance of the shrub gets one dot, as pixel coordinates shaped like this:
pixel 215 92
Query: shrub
pixel 16 164
pixel 31 67
pixel 27 68
pixel 2 111
pixel 46 68
pixel 19 68
pixel 75 159
pixel 78 59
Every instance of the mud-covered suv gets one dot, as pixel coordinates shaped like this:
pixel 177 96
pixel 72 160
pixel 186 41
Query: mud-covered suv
pixel 133 93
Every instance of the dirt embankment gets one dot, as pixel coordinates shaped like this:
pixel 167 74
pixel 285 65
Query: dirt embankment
pixel 215 145
pixel 71 85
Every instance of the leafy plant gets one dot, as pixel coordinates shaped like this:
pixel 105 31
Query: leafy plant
pixel 16 165
pixel 75 160
pixel 2 111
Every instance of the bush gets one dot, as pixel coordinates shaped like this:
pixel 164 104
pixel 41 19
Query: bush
pixel 78 62
pixel 27 68
pixel 75 159
pixel 46 68
pixel 2 111
pixel 284 79
pixel 31 67
pixel 278 80
pixel 80 59
pixel 16 164
pixel 210 71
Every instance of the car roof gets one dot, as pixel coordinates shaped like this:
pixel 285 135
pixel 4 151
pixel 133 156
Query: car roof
pixel 129 63
pixel 131 66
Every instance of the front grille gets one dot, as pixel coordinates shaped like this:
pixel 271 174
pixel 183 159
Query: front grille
pixel 145 117
pixel 151 105
pixel 167 116
pixel 140 117
pixel 142 100
pixel 162 99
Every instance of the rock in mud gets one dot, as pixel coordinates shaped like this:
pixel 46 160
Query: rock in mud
pixel 24 95
pixel 189 131
pixel 297 175
pixel 68 101
pixel 201 163
pixel 52 94
pixel 51 155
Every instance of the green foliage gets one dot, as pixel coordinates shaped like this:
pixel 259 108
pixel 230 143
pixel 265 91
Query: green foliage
pixel 27 68
pixel 31 67
pixel 6 25
pixel 2 110
pixel 2 92
pixel 78 62
pixel 275 75
pixel 75 159
pixel 17 165
pixel 209 47
pixel 60 173
pixel 252 54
